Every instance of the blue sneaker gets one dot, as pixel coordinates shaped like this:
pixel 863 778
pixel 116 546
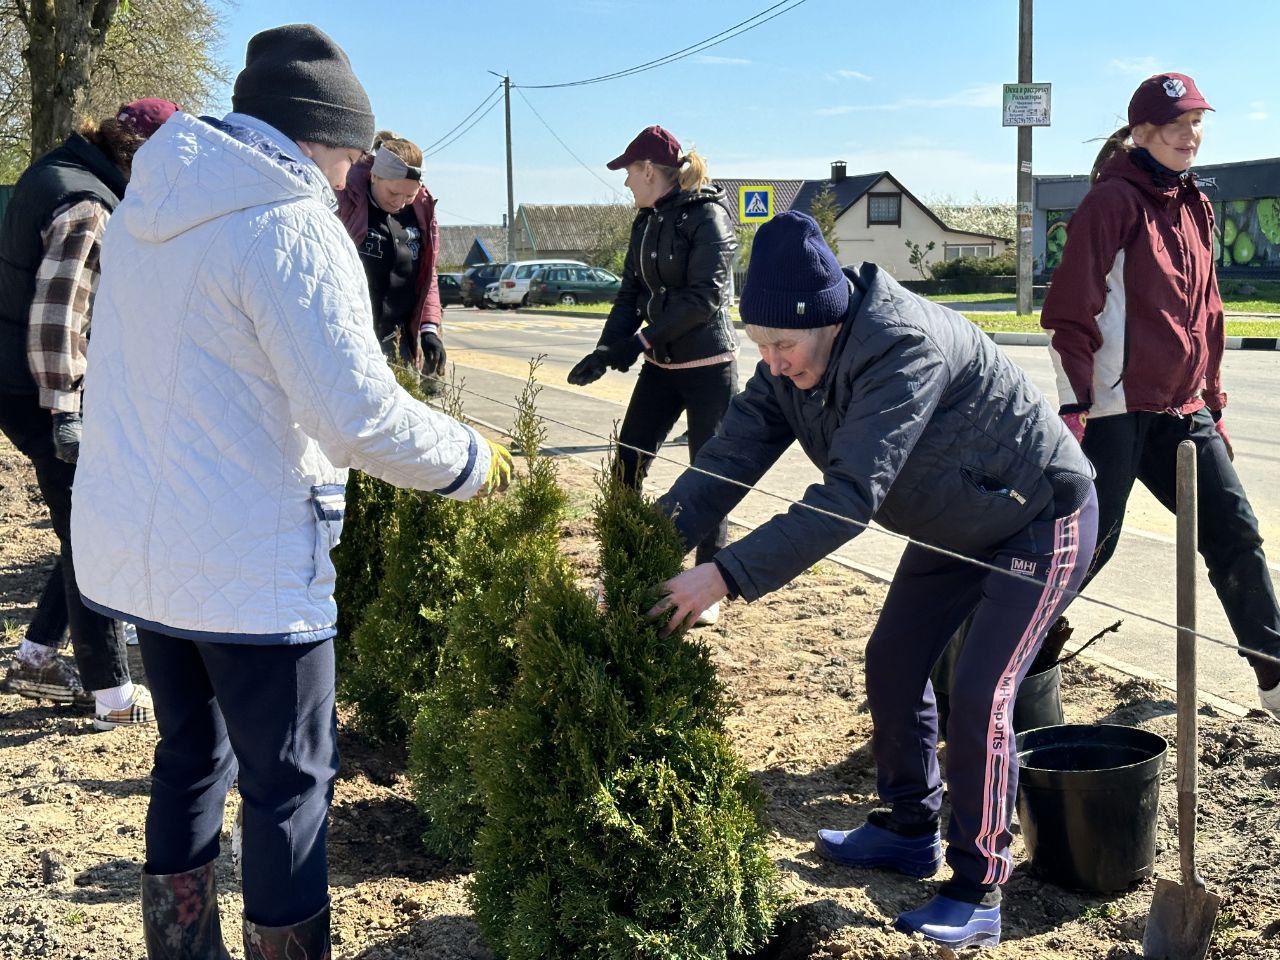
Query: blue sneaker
pixel 872 846
pixel 954 923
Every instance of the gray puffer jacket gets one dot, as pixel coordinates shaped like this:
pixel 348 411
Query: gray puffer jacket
pixel 920 421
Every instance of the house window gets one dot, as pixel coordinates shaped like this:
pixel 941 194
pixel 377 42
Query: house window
pixel 955 251
pixel 884 209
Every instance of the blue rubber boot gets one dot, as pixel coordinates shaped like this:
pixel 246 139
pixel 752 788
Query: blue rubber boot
pixel 954 923
pixel 872 846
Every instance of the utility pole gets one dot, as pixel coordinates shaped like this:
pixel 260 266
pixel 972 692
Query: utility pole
pixel 1026 185
pixel 511 189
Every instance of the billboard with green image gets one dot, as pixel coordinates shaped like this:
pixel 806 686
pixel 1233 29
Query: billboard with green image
pixel 1248 234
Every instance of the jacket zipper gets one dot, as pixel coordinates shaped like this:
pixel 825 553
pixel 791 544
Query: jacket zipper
pixel 644 239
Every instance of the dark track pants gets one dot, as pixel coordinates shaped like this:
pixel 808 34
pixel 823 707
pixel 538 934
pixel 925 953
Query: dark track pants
pixel 269 709
pixel 929 598
pixel 702 394
pixel 1144 446
pixel 97 641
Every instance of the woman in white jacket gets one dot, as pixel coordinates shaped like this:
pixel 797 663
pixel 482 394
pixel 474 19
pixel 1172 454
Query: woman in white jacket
pixel 236 377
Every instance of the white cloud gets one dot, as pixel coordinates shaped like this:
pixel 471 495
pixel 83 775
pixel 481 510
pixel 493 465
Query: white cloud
pixel 1134 66
pixel 1257 111
pixel 722 61
pixel 849 75
pixel 980 95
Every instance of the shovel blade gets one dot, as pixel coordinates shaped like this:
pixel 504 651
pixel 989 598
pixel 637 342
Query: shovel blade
pixel 1180 924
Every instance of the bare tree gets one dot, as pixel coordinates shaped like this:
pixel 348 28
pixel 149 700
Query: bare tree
pixel 64 38
pixel 160 48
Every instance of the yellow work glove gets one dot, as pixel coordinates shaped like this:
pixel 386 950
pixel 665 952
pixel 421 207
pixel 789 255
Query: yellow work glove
pixel 500 467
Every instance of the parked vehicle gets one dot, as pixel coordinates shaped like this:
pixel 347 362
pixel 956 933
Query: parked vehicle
pixel 513 283
pixel 474 282
pixel 450 286
pixel 567 286
pixel 490 296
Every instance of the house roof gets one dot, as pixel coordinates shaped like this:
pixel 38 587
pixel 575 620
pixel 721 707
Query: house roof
pixel 799 195
pixel 570 226
pixel 456 241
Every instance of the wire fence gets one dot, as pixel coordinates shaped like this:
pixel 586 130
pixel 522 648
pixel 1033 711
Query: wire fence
pixel 860 526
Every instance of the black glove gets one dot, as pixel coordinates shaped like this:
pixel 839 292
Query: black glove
pixel 624 353
pixel 589 369
pixel 432 354
pixel 66 436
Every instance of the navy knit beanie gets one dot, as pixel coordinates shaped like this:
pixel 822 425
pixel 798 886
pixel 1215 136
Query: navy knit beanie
pixel 299 81
pixel 793 280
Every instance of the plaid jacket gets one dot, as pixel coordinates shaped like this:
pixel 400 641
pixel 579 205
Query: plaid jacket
pixel 58 336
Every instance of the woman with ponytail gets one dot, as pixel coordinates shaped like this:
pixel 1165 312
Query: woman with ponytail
pixel 1137 340
pixel 392 219
pixel 672 308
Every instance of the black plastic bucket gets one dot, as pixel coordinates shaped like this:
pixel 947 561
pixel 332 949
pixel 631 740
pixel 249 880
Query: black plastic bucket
pixel 1039 703
pixel 1088 796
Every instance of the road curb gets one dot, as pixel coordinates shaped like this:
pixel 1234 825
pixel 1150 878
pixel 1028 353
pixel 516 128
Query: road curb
pixel 1003 338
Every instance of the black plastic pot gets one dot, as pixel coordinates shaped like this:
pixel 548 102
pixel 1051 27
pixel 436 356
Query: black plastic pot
pixel 1039 703
pixel 1087 802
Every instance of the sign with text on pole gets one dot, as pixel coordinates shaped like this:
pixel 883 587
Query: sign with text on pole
pixel 1026 104
pixel 755 204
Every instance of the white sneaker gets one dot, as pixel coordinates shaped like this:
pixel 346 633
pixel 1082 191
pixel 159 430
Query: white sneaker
pixel 1271 700
pixel 708 617
pixel 140 710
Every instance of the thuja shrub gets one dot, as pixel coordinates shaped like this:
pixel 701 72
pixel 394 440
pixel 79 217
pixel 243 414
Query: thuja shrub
pixel 619 823
pixel 358 558
pixel 395 646
pixel 507 552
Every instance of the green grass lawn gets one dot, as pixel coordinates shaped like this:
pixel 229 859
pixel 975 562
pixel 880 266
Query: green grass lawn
pixel 993 321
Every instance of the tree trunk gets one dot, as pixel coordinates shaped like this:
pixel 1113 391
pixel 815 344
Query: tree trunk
pixel 64 38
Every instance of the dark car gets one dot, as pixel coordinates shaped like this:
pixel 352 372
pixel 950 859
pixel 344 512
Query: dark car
pixel 571 285
pixel 475 280
pixel 450 285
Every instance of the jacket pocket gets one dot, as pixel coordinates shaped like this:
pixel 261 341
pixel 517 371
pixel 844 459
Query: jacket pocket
pixel 329 501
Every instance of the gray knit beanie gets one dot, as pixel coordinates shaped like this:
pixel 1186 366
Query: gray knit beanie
pixel 299 81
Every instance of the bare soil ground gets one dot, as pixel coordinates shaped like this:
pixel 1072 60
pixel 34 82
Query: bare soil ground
pixel 72 802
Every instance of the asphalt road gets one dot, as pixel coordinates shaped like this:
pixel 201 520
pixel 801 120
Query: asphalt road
pixel 492 352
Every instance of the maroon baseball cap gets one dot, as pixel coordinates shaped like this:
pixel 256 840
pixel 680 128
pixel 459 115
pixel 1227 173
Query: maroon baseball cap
pixel 1163 98
pixel 146 116
pixel 653 144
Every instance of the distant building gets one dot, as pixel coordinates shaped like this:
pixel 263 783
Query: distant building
pixel 1246 208
pixel 570 230
pixel 466 246
pixel 876 217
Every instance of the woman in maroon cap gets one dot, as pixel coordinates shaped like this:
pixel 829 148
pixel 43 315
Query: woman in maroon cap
pixel 49 247
pixel 672 308
pixel 1137 340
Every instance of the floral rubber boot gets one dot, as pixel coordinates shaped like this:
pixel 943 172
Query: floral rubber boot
pixel 180 916
pixel 308 940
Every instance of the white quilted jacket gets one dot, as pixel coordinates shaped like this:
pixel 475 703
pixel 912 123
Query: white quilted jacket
pixel 235 377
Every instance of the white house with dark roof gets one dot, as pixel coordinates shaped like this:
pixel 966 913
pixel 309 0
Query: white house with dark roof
pixel 876 217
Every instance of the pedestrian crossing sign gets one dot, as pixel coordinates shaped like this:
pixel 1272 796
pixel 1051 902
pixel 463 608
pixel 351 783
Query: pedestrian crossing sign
pixel 755 204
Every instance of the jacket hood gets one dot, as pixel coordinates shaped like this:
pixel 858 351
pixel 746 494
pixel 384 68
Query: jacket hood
pixel 708 194
pixel 1122 166
pixel 196 169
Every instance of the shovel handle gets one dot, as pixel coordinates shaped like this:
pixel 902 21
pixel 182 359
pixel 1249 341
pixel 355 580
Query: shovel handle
pixel 1188 779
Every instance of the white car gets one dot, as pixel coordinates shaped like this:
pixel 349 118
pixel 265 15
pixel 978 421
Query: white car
pixel 513 282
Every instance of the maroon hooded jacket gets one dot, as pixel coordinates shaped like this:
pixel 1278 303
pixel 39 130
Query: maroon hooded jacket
pixel 353 209
pixel 1133 311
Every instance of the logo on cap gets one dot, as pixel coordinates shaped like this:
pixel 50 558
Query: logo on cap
pixel 799 308
pixel 1173 87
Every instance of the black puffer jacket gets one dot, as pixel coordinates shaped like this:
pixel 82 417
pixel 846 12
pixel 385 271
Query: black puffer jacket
pixel 676 278
pixel 920 421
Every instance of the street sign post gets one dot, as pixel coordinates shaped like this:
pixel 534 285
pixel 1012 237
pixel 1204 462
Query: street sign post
pixel 755 204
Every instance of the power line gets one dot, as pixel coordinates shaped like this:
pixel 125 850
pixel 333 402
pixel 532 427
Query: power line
pixel 458 216
pixel 463 132
pixel 861 525
pixel 483 103
pixel 707 43
pixel 608 186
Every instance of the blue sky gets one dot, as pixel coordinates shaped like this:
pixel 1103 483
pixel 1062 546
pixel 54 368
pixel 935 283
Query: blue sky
pixel 908 86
